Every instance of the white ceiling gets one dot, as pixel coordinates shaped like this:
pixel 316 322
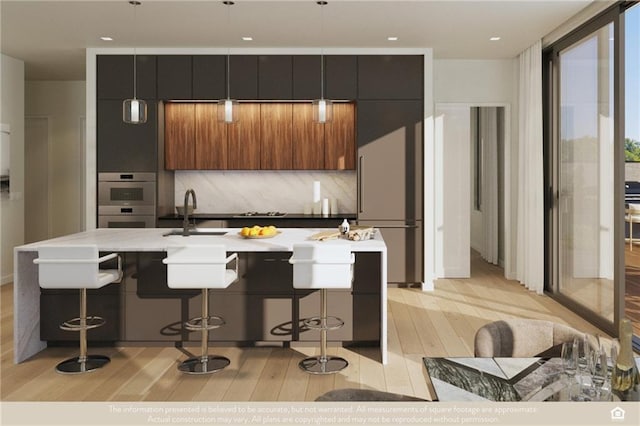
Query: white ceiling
pixel 50 36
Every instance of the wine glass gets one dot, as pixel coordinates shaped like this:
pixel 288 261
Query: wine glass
pixel 598 368
pixel 569 359
pixel 581 345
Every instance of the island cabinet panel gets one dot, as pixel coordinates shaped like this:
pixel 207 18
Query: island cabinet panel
pixel 244 139
pixel 340 141
pixel 275 77
pixel 308 139
pixel 243 76
pixel 179 136
pixel 211 147
pixel 209 77
pixel 124 147
pixel 58 306
pixel 175 77
pixel 275 136
pixel 114 79
pixel 341 77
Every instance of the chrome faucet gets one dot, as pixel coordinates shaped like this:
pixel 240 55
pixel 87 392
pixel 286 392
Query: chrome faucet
pixel 185 221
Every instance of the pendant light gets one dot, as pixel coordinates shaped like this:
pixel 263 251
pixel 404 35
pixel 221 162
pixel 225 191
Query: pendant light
pixel 322 108
pixel 228 108
pixel 134 111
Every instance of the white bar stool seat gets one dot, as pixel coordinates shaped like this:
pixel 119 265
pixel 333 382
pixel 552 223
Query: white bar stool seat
pixel 322 266
pixel 201 267
pixel 77 267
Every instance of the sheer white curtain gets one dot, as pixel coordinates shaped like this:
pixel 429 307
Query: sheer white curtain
pixel 530 225
pixel 489 185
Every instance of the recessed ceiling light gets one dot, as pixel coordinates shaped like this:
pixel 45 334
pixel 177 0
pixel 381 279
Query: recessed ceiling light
pixel 494 38
pixel 105 38
pixel 247 38
pixel 392 38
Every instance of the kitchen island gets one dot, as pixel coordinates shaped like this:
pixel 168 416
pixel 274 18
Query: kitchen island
pixel 260 308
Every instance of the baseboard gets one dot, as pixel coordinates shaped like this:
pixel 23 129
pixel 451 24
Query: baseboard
pixel 428 286
pixel 456 273
pixel 6 279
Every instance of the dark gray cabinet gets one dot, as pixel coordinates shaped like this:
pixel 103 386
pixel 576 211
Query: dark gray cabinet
pixel 341 77
pixel 125 147
pixel 114 76
pixel 209 77
pixel 275 77
pixel 390 140
pixel 306 77
pixel 243 75
pixel 175 77
pixel 390 77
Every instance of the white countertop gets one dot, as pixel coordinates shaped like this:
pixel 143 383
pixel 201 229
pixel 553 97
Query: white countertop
pixel 151 239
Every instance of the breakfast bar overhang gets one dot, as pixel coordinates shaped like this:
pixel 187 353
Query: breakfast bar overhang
pixel 370 283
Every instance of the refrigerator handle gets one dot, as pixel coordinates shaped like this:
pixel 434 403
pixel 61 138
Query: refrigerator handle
pixel 360 163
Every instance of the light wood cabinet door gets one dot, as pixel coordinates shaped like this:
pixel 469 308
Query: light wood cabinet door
pixel 244 139
pixel 179 136
pixel 308 139
pixel 210 138
pixel 276 152
pixel 340 142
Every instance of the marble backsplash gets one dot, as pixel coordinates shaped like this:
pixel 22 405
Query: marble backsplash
pixel 262 191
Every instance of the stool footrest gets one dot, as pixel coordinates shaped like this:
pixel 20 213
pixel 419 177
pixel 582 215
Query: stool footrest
pixel 329 323
pixel 76 325
pixel 197 324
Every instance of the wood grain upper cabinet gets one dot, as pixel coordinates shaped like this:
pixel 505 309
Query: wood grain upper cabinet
pixel 210 138
pixel 275 77
pixel 114 78
pixel 275 136
pixel 244 139
pixel 390 77
pixel 179 136
pixel 308 139
pixel 340 143
pixel 175 77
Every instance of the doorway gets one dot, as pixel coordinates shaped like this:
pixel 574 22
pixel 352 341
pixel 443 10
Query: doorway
pixel 468 182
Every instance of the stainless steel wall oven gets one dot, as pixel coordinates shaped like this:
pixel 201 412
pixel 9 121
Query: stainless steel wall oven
pixel 126 200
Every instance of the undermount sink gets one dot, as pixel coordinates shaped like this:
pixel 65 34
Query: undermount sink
pixel 194 232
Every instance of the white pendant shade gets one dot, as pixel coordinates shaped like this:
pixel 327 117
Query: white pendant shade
pixel 322 110
pixel 134 111
pixel 228 110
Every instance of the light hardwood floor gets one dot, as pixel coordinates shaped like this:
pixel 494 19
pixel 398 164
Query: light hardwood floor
pixel 438 323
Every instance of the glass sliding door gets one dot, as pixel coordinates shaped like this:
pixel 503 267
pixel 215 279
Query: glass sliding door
pixel 584 175
pixel 632 163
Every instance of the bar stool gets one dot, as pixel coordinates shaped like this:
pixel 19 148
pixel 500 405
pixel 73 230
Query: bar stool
pixel 201 267
pixel 77 267
pixel 322 266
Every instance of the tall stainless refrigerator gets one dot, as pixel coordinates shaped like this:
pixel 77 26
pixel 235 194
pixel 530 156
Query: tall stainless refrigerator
pixel 390 173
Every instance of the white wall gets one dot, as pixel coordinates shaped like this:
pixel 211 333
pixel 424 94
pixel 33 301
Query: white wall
pixel 12 209
pixel 63 102
pixel 483 83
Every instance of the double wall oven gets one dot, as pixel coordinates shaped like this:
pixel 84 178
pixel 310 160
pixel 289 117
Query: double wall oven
pixel 126 200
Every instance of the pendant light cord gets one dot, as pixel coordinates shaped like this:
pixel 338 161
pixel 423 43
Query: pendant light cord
pixel 135 30
pixel 322 3
pixel 229 4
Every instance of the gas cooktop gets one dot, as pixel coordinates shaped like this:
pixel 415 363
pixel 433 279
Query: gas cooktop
pixel 260 214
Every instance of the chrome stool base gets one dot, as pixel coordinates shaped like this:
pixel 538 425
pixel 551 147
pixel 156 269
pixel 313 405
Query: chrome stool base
pixel 319 365
pixel 75 366
pixel 204 365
